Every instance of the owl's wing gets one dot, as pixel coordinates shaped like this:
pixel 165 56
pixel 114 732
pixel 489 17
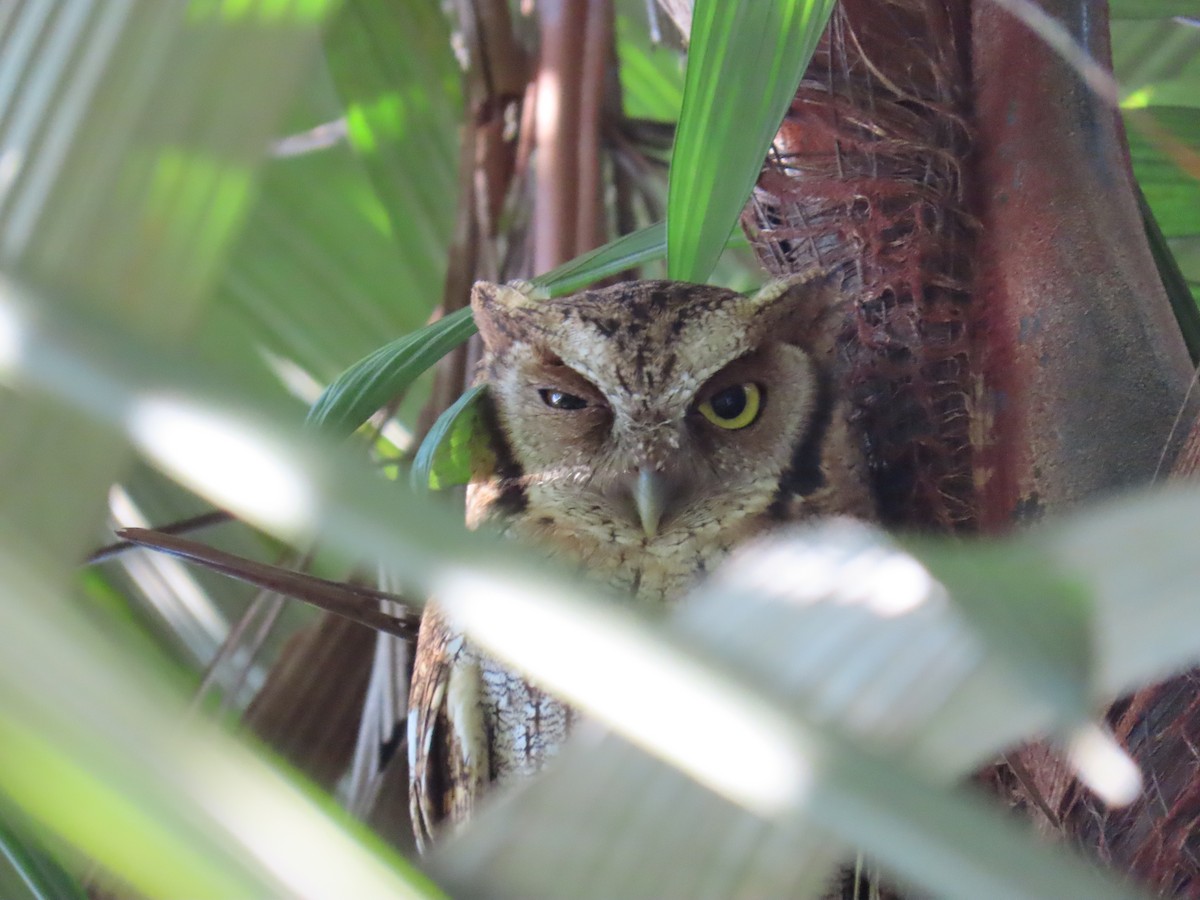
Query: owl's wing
pixel 448 744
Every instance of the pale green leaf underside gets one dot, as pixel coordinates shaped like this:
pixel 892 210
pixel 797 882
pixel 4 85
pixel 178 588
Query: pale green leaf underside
pixel 812 622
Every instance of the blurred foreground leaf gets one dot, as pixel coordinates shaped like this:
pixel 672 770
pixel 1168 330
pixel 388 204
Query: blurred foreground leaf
pixel 1134 559
pixel 41 876
pixel 394 67
pixel 809 636
pixel 102 754
pixel 120 191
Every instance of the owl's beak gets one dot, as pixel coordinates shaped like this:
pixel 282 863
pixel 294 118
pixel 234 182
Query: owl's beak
pixel 650 495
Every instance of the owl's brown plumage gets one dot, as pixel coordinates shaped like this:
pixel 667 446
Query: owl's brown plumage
pixel 641 431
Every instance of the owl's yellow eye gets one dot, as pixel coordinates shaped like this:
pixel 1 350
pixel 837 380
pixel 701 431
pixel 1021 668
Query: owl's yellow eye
pixel 562 400
pixel 733 408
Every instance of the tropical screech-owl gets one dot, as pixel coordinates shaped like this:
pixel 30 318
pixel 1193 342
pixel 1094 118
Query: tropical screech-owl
pixel 641 431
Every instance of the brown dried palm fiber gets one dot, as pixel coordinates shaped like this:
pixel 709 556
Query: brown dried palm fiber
pixel 1157 838
pixel 866 176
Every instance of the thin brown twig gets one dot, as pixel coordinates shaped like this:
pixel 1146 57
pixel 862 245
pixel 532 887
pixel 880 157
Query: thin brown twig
pixel 355 602
pixel 183 526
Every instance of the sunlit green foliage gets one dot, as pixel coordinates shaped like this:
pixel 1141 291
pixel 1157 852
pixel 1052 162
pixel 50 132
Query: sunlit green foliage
pixel 745 62
pixel 182 264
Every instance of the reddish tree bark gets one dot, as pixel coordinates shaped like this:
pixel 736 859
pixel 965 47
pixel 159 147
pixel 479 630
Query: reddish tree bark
pixel 1008 341
pixel 1085 365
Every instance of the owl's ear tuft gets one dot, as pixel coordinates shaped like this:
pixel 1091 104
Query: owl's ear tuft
pixel 800 309
pixel 497 307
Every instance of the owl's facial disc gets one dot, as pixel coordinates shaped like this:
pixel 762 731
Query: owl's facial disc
pixel 652 412
pixel 657 454
pixel 637 482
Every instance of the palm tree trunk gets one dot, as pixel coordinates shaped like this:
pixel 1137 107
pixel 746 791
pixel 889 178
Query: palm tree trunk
pixel 1084 361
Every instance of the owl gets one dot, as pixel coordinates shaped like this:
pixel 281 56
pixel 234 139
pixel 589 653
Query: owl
pixel 639 432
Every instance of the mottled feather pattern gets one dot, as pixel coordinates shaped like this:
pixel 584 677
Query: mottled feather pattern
pixel 637 361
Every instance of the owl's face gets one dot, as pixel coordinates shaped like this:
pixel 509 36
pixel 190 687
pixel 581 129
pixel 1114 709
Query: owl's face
pixel 654 413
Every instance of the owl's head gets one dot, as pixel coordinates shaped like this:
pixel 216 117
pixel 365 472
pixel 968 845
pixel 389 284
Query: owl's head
pixel 652 408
